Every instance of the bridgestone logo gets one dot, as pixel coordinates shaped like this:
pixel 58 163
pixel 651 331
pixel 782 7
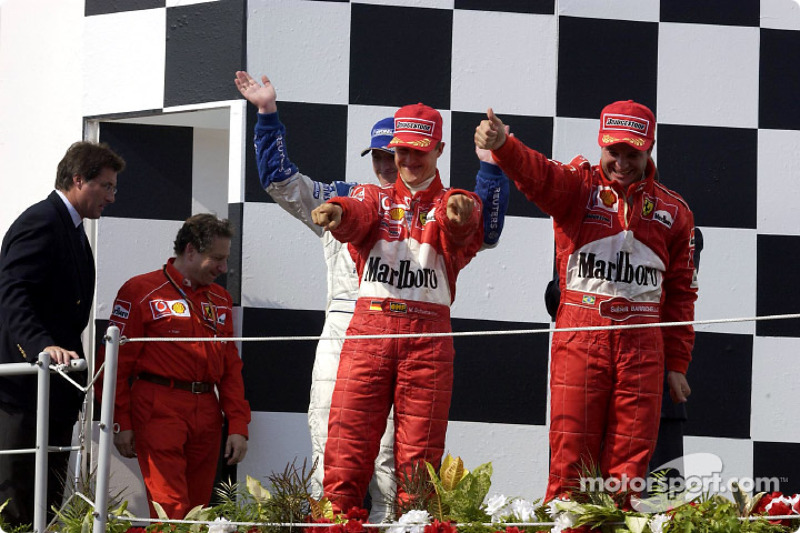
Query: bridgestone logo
pixel 620 271
pixel 625 123
pixel 420 127
pixel 403 278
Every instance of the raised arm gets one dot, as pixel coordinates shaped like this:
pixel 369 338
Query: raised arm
pixel 262 95
pixel 295 192
pixel 491 185
pixel 554 187
pixel 491 132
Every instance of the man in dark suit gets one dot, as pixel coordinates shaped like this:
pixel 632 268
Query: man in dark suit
pixel 47 281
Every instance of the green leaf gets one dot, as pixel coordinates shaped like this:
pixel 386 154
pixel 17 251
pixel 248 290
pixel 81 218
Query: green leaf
pixel 636 524
pixel 257 490
pixel 569 506
pixel 452 472
pixel 162 514
pixel 88 523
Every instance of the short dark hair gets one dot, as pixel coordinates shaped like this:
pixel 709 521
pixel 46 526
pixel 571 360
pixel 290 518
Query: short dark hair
pixel 200 230
pixel 86 159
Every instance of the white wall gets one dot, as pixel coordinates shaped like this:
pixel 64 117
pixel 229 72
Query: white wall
pixel 41 87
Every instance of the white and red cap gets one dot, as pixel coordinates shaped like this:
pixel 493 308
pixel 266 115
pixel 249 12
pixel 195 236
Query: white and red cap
pixel 418 127
pixel 627 122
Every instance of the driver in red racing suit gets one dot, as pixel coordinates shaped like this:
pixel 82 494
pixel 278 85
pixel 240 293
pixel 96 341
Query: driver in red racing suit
pixel 409 240
pixel 624 255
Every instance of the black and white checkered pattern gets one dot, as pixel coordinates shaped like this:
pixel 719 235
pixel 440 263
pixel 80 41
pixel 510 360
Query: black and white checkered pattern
pixel 721 77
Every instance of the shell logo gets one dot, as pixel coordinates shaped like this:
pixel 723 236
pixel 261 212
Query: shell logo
pixel 608 197
pixel 179 308
pixel 397 213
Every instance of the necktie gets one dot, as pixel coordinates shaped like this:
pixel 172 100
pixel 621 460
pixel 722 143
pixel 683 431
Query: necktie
pixel 82 236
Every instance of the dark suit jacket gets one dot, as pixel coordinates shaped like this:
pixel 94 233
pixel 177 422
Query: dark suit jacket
pixel 46 288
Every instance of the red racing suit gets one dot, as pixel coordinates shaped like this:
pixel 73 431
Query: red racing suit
pixel 623 257
pixel 177 433
pixel 408 255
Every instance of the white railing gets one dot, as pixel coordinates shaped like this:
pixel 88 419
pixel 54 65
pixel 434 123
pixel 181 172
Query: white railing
pixel 42 369
pixel 106 430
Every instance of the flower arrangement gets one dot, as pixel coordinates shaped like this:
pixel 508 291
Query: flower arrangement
pixel 776 504
pixel 452 500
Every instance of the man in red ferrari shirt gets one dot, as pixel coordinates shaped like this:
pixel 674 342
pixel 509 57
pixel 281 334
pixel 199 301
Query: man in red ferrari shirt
pixel 168 413
pixel 624 255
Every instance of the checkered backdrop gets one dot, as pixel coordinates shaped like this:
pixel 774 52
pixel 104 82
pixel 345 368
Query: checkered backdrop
pixel 721 77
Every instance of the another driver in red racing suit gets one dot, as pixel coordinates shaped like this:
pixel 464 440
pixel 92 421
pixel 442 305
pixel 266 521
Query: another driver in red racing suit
pixel 624 255
pixel 409 241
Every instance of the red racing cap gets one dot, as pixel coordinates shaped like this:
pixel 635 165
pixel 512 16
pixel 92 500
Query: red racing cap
pixel 627 122
pixel 418 127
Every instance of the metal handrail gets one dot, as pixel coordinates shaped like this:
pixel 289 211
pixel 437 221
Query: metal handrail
pixel 106 430
pixel 42 369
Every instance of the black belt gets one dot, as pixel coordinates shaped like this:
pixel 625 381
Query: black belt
pixel 195 387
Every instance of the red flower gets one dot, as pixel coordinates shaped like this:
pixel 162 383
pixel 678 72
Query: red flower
pixel 514 529
pixel 764 501
pixel 354 526
pixel 776 504
pixel 357 513
pixel 135 530
pixel 779 508
pixel 440 527
pixel 316 529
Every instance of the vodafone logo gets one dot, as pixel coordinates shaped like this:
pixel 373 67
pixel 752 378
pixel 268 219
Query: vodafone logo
pixel 164 308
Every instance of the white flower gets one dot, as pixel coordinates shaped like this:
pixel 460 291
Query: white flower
pixel 553 507
pixel 412 522
pixel 563 520
pixel 496 507
pixel 220 526
pixel 396 529
pixel 657 523
pixel 522 509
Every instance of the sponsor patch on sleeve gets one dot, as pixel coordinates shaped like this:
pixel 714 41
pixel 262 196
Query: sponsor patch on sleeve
pixel 328 191
pixel 122 309
pixel 120 325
